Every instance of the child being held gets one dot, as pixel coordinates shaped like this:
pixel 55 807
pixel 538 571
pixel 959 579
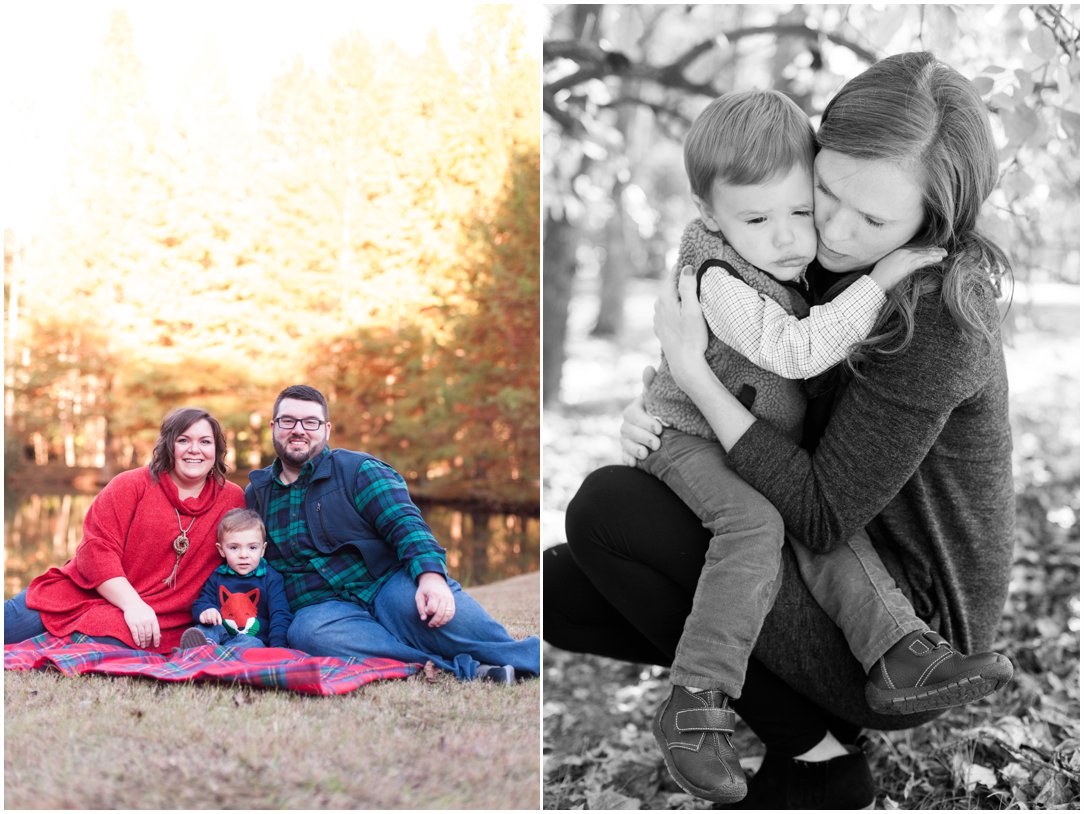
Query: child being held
pixel 243 603
pixel 749 158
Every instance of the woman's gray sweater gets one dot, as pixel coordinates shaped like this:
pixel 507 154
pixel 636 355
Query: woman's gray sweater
pixel 918 450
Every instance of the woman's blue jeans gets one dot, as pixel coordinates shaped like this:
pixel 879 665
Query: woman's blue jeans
pixel 22 623
pixel 391 629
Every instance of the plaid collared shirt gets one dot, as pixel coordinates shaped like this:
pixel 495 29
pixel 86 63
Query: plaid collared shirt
pixel 312 576
pixel 759 329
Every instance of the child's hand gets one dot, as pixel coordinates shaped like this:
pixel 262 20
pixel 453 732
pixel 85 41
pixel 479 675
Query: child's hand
pixel 210 617
pixel 897 266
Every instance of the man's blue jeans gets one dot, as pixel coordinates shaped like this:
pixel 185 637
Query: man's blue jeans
pixel 391 629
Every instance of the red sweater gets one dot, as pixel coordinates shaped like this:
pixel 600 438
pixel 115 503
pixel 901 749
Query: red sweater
pixel 129 532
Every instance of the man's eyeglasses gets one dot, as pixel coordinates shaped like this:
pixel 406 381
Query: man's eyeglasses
pixel 288 422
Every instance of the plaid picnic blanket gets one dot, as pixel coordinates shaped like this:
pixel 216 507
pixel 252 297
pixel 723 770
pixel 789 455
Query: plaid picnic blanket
pixel 276 667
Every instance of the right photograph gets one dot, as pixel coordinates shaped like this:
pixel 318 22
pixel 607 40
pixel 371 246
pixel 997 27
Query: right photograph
pixel 811 400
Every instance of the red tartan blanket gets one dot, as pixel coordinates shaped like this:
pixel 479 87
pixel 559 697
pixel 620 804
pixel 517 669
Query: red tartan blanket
pixel 275 667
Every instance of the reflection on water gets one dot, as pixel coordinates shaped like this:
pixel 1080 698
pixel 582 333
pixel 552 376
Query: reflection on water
pixel 41 531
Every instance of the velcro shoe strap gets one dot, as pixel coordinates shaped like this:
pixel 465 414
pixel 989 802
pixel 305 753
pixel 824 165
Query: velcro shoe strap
pixel 705 720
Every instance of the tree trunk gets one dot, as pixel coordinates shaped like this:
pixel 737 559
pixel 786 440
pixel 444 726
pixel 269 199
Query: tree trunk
pixel 559 269
pixel 615 268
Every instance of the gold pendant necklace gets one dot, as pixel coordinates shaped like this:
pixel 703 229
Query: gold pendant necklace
pixel 180 545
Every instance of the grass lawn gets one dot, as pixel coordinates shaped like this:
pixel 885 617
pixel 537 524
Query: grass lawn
pixel 117 743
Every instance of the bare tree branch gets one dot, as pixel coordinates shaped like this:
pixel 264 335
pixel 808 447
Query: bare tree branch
pixel 595 62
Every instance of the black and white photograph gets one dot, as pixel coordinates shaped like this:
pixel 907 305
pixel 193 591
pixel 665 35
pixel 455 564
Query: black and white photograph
pixel 811 387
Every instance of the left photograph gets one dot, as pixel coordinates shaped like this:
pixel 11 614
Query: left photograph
pixel 271 407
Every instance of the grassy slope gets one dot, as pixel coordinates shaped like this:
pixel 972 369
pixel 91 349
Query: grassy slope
pixel 101 742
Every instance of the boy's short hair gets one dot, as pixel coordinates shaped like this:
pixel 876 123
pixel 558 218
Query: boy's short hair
pixel 747 137
pixel 238 520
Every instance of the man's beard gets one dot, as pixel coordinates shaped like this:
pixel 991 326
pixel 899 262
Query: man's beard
pixel 298 459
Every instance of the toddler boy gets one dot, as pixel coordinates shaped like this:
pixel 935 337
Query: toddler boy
pixel 243 603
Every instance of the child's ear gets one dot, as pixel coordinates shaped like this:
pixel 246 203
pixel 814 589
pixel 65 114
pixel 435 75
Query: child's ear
pixel 706 214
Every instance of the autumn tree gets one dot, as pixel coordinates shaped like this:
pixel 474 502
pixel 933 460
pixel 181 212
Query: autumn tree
pixel 371 228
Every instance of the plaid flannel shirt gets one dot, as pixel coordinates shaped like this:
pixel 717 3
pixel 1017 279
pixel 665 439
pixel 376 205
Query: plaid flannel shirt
pixel 312 576
pixel 760 329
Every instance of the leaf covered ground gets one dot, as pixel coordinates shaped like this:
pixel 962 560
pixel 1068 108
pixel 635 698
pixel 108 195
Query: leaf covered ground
pixel 1016 750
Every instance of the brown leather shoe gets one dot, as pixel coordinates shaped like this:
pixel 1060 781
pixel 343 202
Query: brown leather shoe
pixel 693 730
pixel 923 672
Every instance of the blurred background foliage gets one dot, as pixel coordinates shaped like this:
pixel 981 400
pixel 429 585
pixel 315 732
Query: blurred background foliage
pixel 373 230
pixel 622 83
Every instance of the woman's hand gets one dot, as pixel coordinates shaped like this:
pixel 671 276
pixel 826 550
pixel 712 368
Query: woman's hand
pixel 138 615
pixel 143 624
pixel 639 430
pixel 682 330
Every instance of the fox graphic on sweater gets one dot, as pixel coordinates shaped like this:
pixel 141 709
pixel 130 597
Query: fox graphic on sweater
pixel 238 610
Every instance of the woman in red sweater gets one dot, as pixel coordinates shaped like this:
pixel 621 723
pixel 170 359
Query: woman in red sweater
pixel 148 546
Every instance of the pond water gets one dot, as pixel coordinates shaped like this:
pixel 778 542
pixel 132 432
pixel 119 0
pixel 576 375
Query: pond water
pixel 42 530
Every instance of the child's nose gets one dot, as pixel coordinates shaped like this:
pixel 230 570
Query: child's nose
pixel 784 236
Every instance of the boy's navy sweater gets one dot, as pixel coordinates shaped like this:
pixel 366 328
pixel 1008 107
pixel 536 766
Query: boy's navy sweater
pixel 272 608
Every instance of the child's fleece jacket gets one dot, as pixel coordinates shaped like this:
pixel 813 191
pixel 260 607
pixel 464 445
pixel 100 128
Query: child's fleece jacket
pixel 766 395
pixel 254 603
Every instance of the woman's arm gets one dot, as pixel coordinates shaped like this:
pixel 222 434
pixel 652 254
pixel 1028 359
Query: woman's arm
pixel 880 432
pixel 138 615
pixel 99 555
pixel 883 427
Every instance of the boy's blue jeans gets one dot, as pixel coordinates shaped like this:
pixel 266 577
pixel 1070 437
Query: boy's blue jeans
pixel 220 635
pixel 391 628
pixel 739 579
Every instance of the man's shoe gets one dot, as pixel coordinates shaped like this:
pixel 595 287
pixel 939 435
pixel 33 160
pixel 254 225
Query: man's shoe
pixel 193 637
pixel 783 783
pixel 693 730
pixel 923 672
pixel 503 674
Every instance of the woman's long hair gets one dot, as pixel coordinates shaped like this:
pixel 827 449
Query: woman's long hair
pixel 173 426
pixel 924 116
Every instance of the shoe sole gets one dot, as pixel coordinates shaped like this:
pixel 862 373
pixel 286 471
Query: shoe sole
pixel 733 796
pixel 941 696
pixel 190 639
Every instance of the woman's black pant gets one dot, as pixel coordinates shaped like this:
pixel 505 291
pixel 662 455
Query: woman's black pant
pixel 623 585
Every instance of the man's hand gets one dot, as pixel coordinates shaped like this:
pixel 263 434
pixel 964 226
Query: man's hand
pixel 434 599
pixel 210 617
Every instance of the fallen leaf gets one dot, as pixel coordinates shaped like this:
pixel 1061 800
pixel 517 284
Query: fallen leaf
pixel 973 774
pixel 610 800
